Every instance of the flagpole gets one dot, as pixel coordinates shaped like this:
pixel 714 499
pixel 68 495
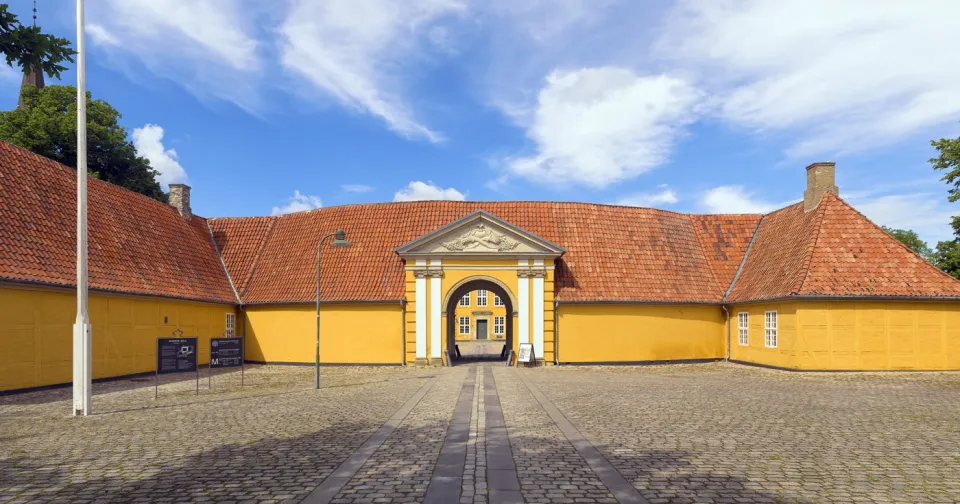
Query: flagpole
pixel 82 340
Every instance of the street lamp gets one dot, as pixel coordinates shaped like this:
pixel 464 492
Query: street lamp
pixel 339 240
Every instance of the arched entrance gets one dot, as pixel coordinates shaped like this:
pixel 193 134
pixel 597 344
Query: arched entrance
pixel 453 298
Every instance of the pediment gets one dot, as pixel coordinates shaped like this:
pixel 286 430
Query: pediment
pixel 480 234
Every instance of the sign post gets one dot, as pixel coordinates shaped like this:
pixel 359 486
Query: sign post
pixel 225 353
pixel 176 355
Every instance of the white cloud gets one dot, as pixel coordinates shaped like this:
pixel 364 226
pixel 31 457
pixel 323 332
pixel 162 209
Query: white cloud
pixel 299 202
pixel 665 197
pixel 599 126
pixel 845 75
pixel 208 46
pixel 925 213
pixel 355 51
pixel 734 199
pixel 418 190
pixel 356 188
pixel 148 141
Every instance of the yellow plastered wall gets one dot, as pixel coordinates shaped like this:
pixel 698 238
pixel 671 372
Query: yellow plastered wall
pixel 784 355
pixel 36 333
pixel 349 333
pixel 471 311
pixel 860 335
pixel 634 332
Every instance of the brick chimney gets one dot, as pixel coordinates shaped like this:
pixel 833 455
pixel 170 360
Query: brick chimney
pixel 179 198
pixel 820 179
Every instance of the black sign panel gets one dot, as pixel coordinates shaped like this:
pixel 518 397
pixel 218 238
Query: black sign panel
pixel 176 355
pixel 226 352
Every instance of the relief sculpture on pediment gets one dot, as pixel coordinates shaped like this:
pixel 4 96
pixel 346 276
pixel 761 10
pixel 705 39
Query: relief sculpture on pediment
pixel 482 238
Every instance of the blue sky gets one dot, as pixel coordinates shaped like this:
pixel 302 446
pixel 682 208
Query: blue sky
pixel 693 106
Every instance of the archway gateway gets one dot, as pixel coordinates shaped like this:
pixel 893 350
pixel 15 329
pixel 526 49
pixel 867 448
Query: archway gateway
pixel 478 251
pixel 467 286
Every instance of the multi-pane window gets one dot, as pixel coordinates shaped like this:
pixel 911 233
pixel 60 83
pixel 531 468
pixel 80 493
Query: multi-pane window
pixel 465 300
pixel 481 297
pixel 464 325
pixel 743 323
pixel 499 324
pixel 231 325
pixel 770 329
pixel 497 301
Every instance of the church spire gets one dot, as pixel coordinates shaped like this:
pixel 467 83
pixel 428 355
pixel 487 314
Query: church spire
pixel 33 77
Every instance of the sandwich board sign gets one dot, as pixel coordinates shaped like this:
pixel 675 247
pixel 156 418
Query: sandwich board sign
pixel 226 353
pixel 525 354
pixel 176 355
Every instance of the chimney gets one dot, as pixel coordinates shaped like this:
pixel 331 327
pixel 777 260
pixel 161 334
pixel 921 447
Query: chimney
pixel 180 199
pixel 820 179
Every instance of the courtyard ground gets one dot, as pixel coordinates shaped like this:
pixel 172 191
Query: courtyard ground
pixel 485 433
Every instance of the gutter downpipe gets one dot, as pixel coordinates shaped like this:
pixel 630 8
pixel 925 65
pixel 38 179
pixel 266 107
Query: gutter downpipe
pixel 556 332
pixel 728 330
pixel 403 329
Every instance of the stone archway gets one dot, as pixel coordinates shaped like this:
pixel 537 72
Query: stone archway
pixel 471 284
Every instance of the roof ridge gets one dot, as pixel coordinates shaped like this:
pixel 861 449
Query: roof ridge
pixel 808 256
pixel 222 264
pixel 256 260
pixel 743 261
pixel 898 242
pixel 696 232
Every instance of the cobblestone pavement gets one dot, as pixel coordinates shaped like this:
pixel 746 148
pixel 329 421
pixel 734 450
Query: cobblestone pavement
pixel 727 433
pixel 677 433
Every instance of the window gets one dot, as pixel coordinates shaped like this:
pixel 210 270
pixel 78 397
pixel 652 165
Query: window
pixel 464 325
pixel 743 323
pixel 465 300
pixel 231 325
pixel 498 325
pixel 497 301
pixel 481 297
pixel 770 329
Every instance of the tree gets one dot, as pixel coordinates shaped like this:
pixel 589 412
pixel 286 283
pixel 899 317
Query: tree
pixel 910 238
pixel 27 48
pixel 948 160
pixel 48 127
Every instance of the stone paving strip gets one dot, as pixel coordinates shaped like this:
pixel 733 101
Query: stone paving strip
pixel 331 486
pixel 622 490
pixel 727 433
pixel 549 467
pixel 272 441
pixel 447 481
pixel 502 479
pixel 400 470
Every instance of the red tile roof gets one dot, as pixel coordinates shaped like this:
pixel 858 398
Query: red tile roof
pixel 136 245
pixel 614 253
pixel 834 250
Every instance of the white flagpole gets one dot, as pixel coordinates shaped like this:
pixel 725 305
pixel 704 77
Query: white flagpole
pixel 82 340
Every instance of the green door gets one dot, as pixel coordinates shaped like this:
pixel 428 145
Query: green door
pixel 481 329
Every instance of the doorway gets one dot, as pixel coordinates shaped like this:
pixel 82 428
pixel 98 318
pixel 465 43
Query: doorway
pixel 481 329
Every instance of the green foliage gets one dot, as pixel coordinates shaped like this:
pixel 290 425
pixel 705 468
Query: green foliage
pixel 949 161
pixel 947 254
pixel 27 47
pixel 48 127
pixel 910 238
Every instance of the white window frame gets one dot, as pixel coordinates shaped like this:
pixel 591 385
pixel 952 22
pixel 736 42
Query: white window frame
pixel 770 329
pixel 465 300
pixel 497 300
pixel 464 322
pixel 481 297
pixel 499 324
pixel 231 325
pixel 743 328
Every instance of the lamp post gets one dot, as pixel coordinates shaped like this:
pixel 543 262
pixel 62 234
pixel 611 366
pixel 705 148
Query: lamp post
pixel 340 240
pixel 82 339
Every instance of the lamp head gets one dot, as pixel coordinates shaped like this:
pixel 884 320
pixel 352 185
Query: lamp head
pixel 340 239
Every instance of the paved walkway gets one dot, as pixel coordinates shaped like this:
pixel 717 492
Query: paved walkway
pixel 483 433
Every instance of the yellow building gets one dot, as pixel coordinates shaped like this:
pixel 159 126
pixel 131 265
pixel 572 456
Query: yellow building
pixel 812 286
pixel 481 315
